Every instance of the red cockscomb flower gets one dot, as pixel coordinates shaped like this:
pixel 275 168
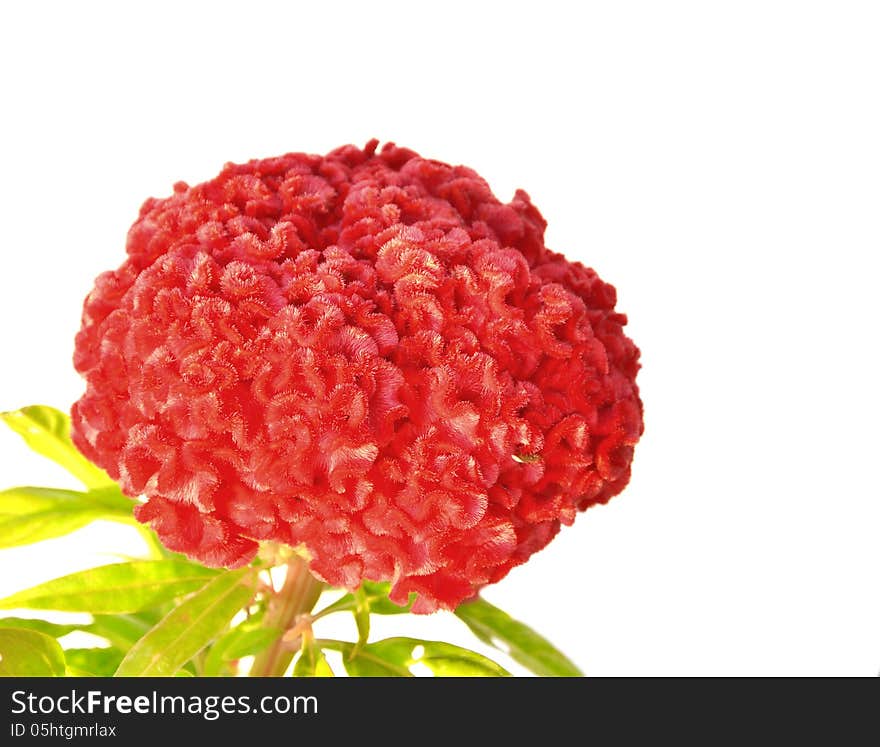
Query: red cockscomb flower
pixel 364 353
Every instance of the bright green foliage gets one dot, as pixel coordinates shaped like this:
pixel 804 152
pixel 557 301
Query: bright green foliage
pixel 29 653
pixel 199 620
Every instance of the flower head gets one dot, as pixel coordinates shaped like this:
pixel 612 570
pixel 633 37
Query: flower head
pixel 366 354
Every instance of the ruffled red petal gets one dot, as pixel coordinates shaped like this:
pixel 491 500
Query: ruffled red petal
pixel 364 353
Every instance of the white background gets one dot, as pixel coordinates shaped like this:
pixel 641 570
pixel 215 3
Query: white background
pixel 719 162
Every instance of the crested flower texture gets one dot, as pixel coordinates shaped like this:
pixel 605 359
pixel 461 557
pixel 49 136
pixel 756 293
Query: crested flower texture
pixel 365 354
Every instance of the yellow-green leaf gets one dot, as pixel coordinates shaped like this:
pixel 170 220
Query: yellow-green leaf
pixel 47 431
pixel 94 662
pixel 242 640
pixel 76 672
pixel 29 514
pixel 54 630
pixel 188 628
pixel 376 596
pixel 29 653
pixel 495 627
pixel 114 589
pixel 311 662
pixel 123 630
pixel 396 657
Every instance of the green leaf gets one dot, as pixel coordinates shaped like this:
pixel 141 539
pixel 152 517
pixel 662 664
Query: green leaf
pixel 29 653
pixel 29 514
pixel 322 668
pixel 115 505
pixel 380 604
pixel 311 662
pixel 395 657
pixel 41 626
pixel 94 662
pixel 369 661
pixel 495 627
pixel 113 589
pixel 190 626
pixel 376 597
pixel 216 662
pixel 47 431
pixel 77 672
pixel 249 642
pixel 120 630
pixel 242 640
pixel 123 630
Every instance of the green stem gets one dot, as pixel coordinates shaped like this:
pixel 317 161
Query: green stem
pixel 297 596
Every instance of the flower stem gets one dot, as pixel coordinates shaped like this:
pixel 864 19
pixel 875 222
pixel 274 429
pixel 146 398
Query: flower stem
pixel 297 596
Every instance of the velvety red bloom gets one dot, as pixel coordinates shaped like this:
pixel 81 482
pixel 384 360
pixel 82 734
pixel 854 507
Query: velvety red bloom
pixel 364 353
